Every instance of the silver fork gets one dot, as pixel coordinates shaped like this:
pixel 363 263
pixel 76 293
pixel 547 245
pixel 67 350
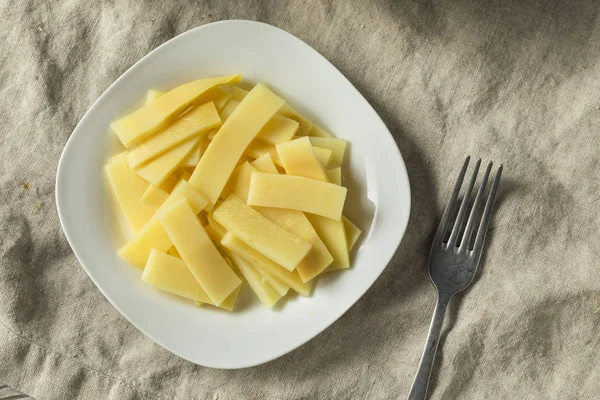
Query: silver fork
pixel 453 262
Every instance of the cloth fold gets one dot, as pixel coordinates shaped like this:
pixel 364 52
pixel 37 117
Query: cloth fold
pixel 516 82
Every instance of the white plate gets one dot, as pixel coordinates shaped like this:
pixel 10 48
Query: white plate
pixel 379 194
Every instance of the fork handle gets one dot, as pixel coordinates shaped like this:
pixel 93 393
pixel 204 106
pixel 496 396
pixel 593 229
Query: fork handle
pixel 421 382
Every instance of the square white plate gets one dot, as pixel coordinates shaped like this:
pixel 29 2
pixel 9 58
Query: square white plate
pixel 378 200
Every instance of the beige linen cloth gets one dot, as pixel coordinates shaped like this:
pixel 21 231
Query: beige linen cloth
pixel 513 81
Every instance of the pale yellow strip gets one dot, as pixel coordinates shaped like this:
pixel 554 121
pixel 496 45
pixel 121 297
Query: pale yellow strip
pixel 220 98
pixel 275 283
pixel 192 160
pixel 154 197
pixel 298 158
pixel 229 109
pixel 258 148
pixel 278 130
pixel 318 258
pixel 238 93
pixel 263 290
pixel 128 188
pixel 143 122
pixel 217 227
pixel 317 131
pixel 335 175
pixel 323 155
pixel 224 151
pixel 230 302
pixel 258 232
pixel 305 124
pixel 239 183
pixel 333 235
pixel 153 235
pixel 265 163
pixel 198 251
pixel 292 279
pixel 352 232
pixel 170 274
pixel 217 231
pixel 337 146
pixel 195 122
pixel 297 193
pixel 159 169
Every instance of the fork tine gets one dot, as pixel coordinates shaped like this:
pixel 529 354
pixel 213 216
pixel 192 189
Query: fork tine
pixel 439 236
pixel 464 242
pixel 463 207
pixel 487 213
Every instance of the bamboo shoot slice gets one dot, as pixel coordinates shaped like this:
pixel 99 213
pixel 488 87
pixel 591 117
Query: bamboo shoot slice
pixel 275 283
pixel 220 98
pixel 198 251
pixel 174 179
pixel 128 188
pixel 333 234
pixel 194 158
pixel 265 292
pixel 337 147
pixel 170 274
pixel 318 258
pixel 334 175
pixel 298 158
pixel 305 124
pixel 217 227
pixel 216 231
pixel 239 183
pixel 153 95
pixel 297 193
pixel 224 151
pixel 261 234
pixel 352 232
pixel 154 197
pixel 258 148
pixel 159 169
pixel 291 279
pixel 229 109
pixel 195 122
pixel 265 163
pixel 323 155
pixel 216 237
pixel 153 235
pixel 143 122
pixel 229 303
pixel 278 130
pixel 317 131
pixel 237 93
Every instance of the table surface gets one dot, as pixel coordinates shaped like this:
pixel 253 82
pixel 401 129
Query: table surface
pixel 513 81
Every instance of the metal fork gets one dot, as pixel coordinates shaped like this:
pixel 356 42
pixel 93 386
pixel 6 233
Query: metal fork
pixel 453 262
